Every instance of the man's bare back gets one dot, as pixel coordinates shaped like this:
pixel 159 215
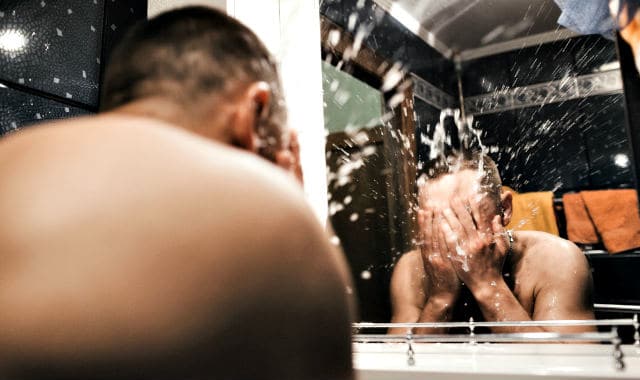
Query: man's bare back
pixel 131 248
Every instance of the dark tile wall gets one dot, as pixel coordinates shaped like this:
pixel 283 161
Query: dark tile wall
pixel 392 40
pixel 62 47
pixel 560 146
pixel 19 108
pixel 426 117
pixel 537 64
pixel 53 53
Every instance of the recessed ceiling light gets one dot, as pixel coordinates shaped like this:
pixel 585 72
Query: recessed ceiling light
pixel 12 40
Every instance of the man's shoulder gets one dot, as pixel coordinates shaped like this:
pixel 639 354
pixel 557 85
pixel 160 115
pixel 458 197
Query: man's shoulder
pixel 545 251
pixel 138 143
pixel 408 260
pixel 149 165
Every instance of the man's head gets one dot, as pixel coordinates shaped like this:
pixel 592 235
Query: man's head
pixel 213 70
pixel 473 179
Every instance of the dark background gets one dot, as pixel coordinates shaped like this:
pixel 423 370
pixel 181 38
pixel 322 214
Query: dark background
pixel 59 72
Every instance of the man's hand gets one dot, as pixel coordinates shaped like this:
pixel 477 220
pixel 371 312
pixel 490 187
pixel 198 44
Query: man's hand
pixel 442 283
pixel 288 158
pixel 477 249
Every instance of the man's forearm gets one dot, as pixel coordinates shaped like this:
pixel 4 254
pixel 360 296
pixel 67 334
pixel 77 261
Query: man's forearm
pixel 498 303
pixel 437 309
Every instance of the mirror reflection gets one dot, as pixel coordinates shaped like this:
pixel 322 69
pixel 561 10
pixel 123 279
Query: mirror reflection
pixel 478 158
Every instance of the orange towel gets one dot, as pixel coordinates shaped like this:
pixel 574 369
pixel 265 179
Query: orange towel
pixel 533 212
pixel 580 228
pixel 615 215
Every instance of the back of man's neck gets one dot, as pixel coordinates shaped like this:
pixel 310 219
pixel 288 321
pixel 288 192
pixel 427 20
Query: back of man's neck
pixel 167 111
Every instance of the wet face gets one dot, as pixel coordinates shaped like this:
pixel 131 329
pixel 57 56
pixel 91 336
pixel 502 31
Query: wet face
pixel 466 186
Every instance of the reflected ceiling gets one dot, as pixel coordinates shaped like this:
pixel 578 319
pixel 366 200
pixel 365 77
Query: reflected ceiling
pixel 469 24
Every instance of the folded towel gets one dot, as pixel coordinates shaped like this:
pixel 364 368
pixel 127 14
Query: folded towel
pixel 615 215
pixel 580 228
pixel 533 212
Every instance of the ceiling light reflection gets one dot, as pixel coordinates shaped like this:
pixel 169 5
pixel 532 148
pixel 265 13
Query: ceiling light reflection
pixel 12 40
pixel 621 160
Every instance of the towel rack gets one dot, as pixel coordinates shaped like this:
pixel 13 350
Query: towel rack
pixel 410 338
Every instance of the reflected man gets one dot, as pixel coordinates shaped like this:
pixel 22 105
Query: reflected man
pixel 468 265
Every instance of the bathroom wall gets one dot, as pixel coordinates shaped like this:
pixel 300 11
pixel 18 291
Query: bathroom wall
pixel 390 39
pixel 52 55
pixel 371 251
pixel 570 143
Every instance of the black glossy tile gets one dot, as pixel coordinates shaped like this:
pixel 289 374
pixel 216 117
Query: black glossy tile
pixel 430 65
pixel 590 53
pixel 608 148
pixel 615 278
pixel 53 46
pixel 549 149
pixel 427 117
pixel 389 38
pixel 497 135
pixel 19 109
pixel 542 63
pixel 334 11
pixel 486 74
pixel 120 16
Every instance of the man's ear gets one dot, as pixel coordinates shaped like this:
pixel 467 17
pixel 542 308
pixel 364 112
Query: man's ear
pixel 252 111
pixel 506 206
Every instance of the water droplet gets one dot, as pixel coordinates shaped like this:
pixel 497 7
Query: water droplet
pixel 334 37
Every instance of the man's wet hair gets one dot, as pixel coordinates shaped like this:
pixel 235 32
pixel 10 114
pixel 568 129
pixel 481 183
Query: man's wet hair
pixel 187 53
pixel 490 180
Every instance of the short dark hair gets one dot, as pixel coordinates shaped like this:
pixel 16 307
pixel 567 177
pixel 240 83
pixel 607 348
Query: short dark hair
pixel 490 180
pixel 185 53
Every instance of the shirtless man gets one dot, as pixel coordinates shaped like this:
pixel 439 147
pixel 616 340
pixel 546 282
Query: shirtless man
pixel 149 242
pixel 468 265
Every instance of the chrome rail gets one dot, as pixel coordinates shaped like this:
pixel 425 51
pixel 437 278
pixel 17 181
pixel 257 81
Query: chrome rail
pixel 616 307
pixel 471 323
pixel 542 337
pixel 410 338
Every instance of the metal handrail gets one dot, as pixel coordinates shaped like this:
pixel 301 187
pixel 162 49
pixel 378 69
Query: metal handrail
pixel 611 337
pixel 566 322
pixel 617 307
pixel 490 338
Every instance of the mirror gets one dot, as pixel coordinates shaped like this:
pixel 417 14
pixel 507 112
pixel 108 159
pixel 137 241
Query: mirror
pixel 404 79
